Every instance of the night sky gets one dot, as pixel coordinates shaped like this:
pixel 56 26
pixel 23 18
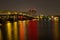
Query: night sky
pixel 46 7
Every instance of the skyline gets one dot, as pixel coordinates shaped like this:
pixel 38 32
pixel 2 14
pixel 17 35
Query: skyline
pixel 46 7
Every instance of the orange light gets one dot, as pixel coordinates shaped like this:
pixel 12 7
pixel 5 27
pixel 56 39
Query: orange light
pixel 25 30
pixel 21 30
pixel 0 35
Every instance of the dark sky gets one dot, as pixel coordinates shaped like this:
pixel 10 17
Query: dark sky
pixel 46 7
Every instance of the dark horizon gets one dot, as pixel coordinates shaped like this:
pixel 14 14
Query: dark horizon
pixel 46 7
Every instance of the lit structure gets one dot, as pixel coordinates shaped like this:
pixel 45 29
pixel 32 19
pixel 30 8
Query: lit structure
pixel 24 26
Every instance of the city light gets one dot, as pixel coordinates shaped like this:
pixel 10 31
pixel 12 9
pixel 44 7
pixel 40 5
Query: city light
pixel 9 13
pixel 0 34
pixel 41 16
pixel 23 26
pixel 15 30
pixel 52 16
pixel 56 18
pixel 9 30
pixel 56 31
pixel 49 18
